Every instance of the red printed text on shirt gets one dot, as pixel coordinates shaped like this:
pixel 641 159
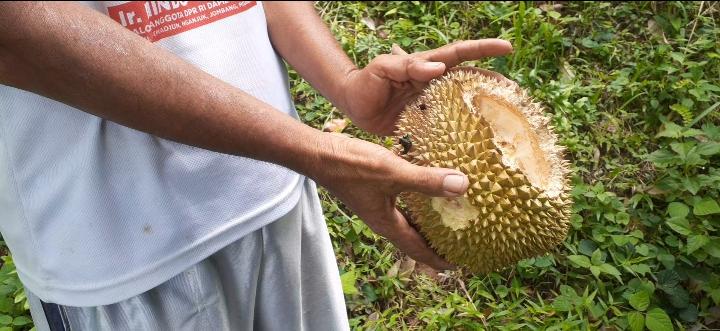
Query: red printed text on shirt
pixel 156 20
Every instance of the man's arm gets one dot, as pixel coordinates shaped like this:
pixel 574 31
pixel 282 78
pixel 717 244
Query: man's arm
pixel 70 53
pixel 80 57
pixel 301 37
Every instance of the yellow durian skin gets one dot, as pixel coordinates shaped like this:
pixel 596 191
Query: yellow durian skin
pixel 516 220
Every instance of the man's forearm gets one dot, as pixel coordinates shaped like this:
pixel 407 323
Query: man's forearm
pixel 306 43
pixel 75 55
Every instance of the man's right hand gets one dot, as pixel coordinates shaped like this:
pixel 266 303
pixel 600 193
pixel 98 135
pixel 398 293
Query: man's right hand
pixel 368 178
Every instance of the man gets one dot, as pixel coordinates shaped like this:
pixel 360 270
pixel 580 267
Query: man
pixel 154 175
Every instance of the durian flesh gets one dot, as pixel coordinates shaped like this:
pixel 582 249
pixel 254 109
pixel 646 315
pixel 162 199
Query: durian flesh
pixel 517 205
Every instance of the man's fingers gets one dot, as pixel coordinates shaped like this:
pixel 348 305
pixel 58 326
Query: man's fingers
pixel 403 68
pixel 439 182
pixel 423 71
pixel 406 239
pixel 397 50
pixel 468 50
pixel 422 67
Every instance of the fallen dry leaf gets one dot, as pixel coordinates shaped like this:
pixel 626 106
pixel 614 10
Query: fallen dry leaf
pixel 406 267
pixel 335 125
pixel 427 271
pixel 549 7
pixel 657 31
pixel 369 22
pixel 393 272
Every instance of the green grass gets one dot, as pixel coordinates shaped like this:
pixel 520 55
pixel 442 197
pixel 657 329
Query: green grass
pixel 633 91
pixel 14 307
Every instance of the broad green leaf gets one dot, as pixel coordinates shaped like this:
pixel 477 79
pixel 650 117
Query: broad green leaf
pixel 637 234
pixel 587 247
pixel 636 321
pixel 680 225
pixel 622 218
pixel 667 278
pixel 21 320
pixel 691 133
pixel 641 269
pixel 657 320
pixel 580 260
pixel 620 240
pixel 20 297
pixel 609 269
pixel 706 206
pixel 668 260
pixel 640 300
pixel 6 304
pixel 562 303
pixel 689 314
pixel 696 242
pixel 348 282
pixel 597 311
pixel 708 148
pixel 369 292
pixel 670 130
pixel 543 261
pixel 677 56
pixel 643 249
pixel 642 285
pixel 595 270
pixel 684 150
pixel 568 291
pixel 713 247
pixel 663 158
pixel 391 11
pixel 597 257
pixel 501 291
pixel 5 320
pixel 691 184
pixel 678 296
pixel 712 130
pixel 678 209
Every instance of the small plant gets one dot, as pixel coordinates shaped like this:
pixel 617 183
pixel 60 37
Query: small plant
pixel 14 307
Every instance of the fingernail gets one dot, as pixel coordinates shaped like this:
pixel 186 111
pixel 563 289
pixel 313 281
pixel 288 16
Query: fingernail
pixel 455 184
pixel 433 65
pixel 512 49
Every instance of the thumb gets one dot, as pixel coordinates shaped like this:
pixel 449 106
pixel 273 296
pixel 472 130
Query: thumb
pixel 440 182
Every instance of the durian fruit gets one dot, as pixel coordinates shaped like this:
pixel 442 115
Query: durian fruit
pixel 517 205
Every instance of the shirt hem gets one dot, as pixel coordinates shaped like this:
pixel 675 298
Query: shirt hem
pixel 143 280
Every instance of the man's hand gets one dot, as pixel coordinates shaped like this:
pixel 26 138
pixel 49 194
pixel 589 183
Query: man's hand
pixel 368 178
pixel 376 95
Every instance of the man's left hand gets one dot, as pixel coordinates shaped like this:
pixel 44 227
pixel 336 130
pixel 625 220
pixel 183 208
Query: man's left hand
pixel 375 95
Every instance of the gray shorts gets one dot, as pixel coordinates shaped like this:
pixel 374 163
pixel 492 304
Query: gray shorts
pixel 281 277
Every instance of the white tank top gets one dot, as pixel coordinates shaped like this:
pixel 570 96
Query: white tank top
pixel 95 212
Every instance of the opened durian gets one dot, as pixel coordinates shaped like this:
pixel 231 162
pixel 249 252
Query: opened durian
pixel 517 205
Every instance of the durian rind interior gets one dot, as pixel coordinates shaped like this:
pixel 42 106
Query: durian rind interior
pixel 517 205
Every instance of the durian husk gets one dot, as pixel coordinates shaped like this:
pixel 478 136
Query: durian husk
pixel 518 204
